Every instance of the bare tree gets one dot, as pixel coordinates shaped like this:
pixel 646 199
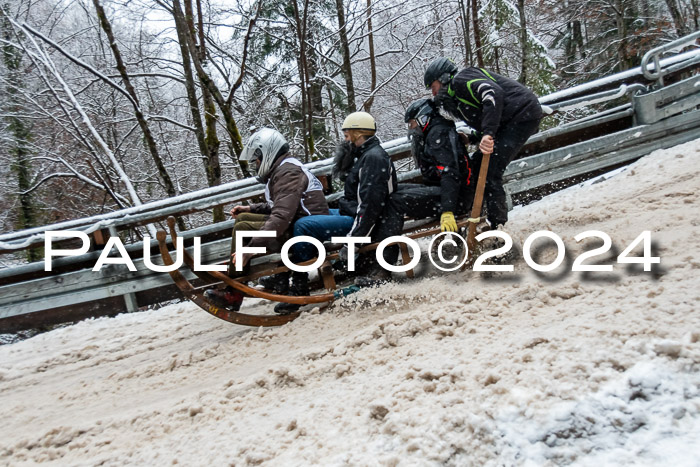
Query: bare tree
pixel 345 51
pixel 464 20
pixel 40 58
pixel 477 33
pixel 148 136
pixel 678 20
pixel 524 59
pixel 207 81
pixel 19 131
pixel 372 59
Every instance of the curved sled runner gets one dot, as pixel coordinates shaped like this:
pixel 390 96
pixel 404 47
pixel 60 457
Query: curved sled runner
pixel 195 294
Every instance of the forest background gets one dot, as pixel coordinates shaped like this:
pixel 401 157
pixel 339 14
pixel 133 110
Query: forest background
pixel 106 104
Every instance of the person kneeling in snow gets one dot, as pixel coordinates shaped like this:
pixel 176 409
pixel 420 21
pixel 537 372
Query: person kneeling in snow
pixel 291 192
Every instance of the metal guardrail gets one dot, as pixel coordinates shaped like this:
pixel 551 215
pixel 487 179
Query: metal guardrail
pixel 663 118
pixel 654 56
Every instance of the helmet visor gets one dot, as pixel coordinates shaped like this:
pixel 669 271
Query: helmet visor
pixel 256 160
pixel 422 120
pixel 248 153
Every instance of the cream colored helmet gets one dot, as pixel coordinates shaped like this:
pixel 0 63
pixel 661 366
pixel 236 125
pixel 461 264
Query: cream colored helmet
pixel 359 121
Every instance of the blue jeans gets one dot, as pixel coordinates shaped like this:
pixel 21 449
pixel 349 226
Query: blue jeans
pixel 321 228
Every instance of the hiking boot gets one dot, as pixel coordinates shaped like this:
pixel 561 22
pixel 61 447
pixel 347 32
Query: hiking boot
pixel 278 283
pixel 227 298
pixel 376 276
pixel 299 288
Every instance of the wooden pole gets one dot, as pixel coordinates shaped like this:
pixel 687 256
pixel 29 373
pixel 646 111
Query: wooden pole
pixel 476 209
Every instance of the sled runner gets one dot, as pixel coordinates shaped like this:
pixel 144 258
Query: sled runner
pixel 272 266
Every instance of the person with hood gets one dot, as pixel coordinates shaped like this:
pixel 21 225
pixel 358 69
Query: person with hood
pixel 503 113
pixel 443 161
pixel 291 192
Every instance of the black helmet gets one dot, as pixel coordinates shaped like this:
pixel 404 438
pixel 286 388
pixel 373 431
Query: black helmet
pixel 419 110
pixel 441 69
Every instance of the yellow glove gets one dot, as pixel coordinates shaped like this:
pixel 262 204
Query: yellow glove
pixel 447 222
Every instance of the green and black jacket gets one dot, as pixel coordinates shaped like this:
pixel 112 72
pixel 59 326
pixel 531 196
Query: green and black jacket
pixel 487 101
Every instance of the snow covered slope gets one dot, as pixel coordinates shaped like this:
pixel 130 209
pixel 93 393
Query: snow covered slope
pixel 462 369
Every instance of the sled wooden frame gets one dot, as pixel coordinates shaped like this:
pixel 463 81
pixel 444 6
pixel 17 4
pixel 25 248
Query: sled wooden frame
pixel 196 295
pixel 476 211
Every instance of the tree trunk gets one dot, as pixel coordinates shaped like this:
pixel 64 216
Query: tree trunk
pixel 191 89
pixel 316 108
pixel 524 49
pixel 22 166
pixel 20 134
pixel 345 51
pixel 231 126
pixel 578 39
pixel 148 136
pixel 496 59
pixel 569 48
pixel 696 14
pixel 303 78
pixel 477 33
pixel 464 16
pixel 678 21
pixel 622 34
pixel 211 157
pixel 333 113
pixel 372 61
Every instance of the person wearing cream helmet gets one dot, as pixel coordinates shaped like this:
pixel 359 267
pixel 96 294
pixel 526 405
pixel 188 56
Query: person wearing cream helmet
pixel 369 176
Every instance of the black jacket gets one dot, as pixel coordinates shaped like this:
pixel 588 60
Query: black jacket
pixel 487 101
pixel 368 185
pixel 444 162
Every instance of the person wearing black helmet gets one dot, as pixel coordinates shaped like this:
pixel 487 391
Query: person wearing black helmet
pixel 503 113
pixel 442 159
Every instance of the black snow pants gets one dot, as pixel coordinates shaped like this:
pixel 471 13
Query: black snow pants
pixel 418 202
pixel 508 143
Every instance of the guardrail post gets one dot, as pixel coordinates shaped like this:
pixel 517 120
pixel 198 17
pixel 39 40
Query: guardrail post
pixel 129 298
pixel 663 103
pixel 644 109
pixel 509 198
pixel 131 302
